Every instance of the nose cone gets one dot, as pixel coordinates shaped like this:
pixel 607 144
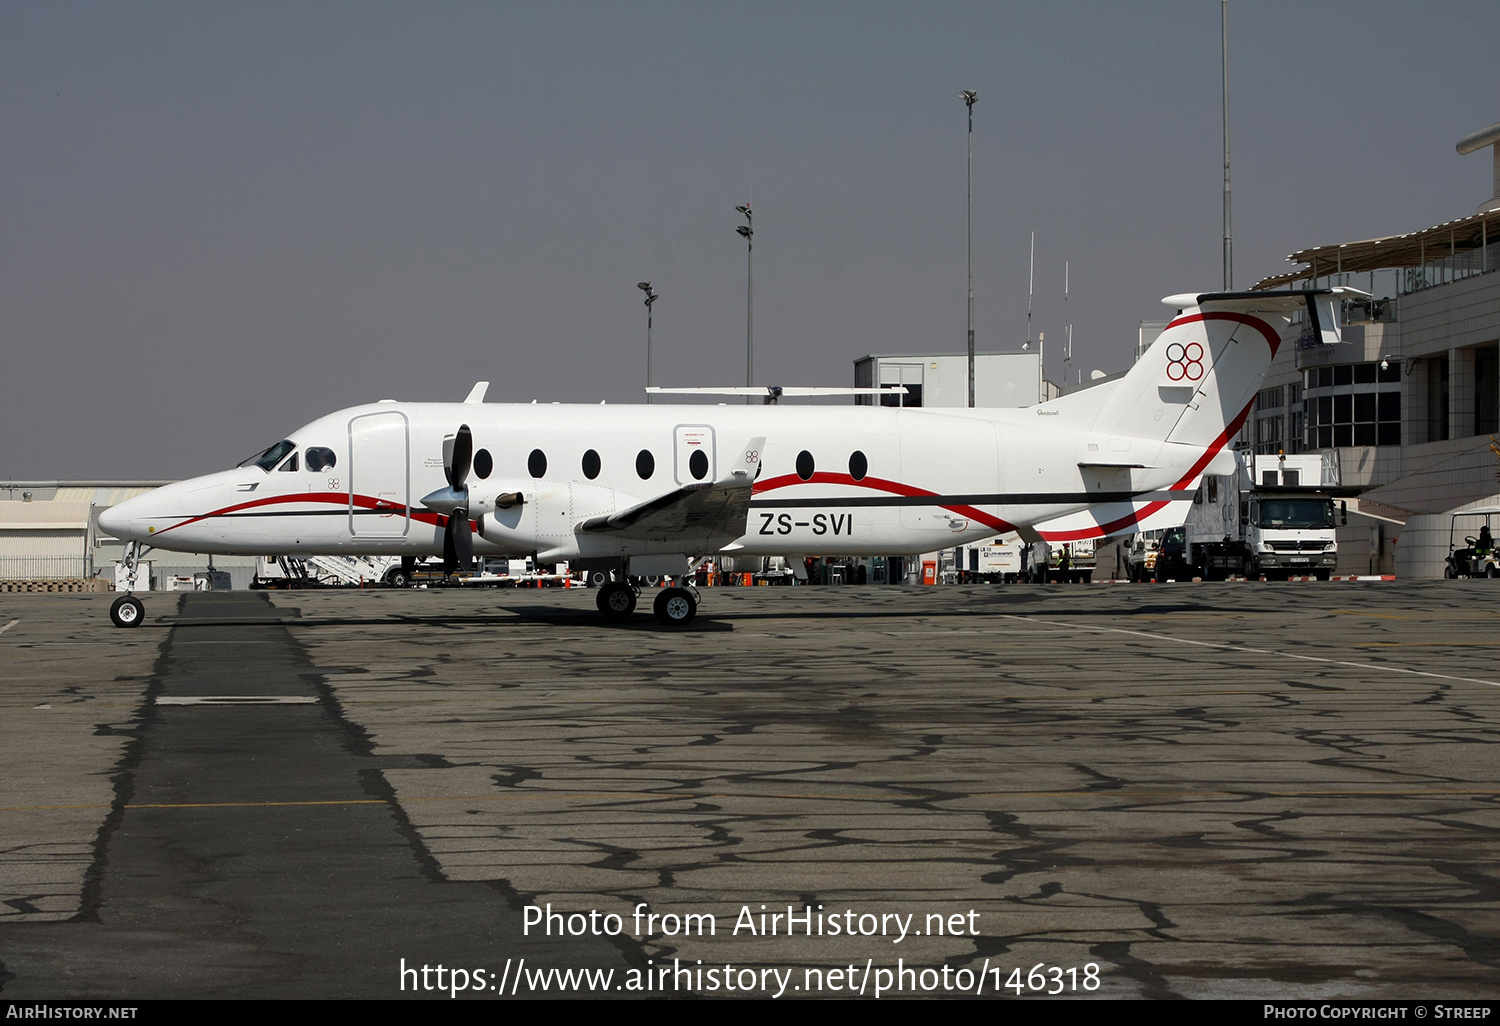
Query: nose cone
pixel 117 521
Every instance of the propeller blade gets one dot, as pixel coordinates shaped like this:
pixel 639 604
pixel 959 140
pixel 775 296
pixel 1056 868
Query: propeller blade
pixel 463 537
pixel 450 554
pixel 458 542
pixel 458 457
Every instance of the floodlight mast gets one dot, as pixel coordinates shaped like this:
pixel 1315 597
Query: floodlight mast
pixel 1228 235
pixel 651 297
pixel 747 232
pixel 971 97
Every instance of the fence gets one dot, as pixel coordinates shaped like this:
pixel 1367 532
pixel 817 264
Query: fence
pixel 34 568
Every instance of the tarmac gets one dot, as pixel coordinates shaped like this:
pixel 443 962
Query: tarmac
pixel 1234 790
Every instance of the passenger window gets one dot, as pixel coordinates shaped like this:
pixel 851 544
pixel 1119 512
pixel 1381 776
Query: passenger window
pixel 698 464
pixel 805 465
pixel 591 464
pixel 483 463
pixel 536 463
pixel 859 466
pixel 645 464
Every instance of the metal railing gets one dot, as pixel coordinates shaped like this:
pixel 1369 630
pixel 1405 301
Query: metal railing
pixel 37 568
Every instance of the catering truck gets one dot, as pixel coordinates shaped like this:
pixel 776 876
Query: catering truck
pixel 1272 518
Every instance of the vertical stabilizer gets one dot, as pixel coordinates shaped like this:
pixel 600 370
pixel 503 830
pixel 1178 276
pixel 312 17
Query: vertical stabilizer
pixel 1195 384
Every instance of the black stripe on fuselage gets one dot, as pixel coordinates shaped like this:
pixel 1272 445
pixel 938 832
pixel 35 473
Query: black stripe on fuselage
pixel 994 499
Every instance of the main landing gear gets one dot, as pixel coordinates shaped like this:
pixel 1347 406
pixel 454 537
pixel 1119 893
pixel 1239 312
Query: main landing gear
pixel 674 606
pixel 616 600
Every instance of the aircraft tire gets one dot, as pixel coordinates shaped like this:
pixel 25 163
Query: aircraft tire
pixel 675 607
pixel 616 601
pixel 127 611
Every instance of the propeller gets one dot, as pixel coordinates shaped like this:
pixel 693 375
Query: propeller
pixel 453 501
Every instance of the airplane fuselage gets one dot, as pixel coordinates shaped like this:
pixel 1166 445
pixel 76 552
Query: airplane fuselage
pixel 832 480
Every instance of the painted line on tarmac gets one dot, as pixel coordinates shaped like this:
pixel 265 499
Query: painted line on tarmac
pixel 236 700
pixel 635 796
pixel 1256 651
pixel 1417 644
pixel 9 626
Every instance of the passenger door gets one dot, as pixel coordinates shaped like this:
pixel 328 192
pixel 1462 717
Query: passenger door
pixel 379 476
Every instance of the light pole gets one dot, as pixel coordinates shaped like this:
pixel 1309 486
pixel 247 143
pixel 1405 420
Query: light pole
pixel 970 97
pixel 1228 235
pixel 747 232
pixel 651 297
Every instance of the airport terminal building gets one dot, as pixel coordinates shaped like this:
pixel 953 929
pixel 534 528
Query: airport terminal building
pixel 1406 409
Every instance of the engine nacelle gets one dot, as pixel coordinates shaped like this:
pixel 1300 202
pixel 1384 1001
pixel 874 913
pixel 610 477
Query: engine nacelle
pixel 539 516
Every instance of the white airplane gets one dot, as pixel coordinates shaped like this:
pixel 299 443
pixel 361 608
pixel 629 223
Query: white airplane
pixel 654 490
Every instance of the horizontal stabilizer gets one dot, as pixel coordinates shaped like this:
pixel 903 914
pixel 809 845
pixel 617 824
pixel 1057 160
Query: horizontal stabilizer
pixel 1322 305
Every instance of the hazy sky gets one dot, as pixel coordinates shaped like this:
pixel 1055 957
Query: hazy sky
pixel 219 221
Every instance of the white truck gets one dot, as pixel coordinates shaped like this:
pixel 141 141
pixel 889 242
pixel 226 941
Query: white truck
pixel 1008 559
pixel 1272 518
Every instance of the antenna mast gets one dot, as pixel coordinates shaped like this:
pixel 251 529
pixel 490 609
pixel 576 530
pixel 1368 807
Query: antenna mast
pixel 1068 347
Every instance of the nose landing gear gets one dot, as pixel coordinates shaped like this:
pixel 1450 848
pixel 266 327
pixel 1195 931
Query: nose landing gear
pixel 127 611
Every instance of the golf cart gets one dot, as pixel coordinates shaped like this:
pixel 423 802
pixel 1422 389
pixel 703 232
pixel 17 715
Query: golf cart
pixel 1478 558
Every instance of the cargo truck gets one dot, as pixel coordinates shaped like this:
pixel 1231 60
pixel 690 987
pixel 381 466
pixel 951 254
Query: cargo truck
pixel 1272 518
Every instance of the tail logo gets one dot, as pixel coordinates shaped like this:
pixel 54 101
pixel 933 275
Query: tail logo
pixel 1185 362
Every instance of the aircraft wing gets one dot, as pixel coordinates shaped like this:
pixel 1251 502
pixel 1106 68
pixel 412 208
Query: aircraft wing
pixel 703 517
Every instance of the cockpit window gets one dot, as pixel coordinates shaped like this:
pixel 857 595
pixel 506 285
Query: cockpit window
pixel 320 459
pixel 275 454
pixel 290 464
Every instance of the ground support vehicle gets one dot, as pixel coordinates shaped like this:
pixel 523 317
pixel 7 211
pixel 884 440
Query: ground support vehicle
pixel 1072 563
pixel 1478 557
pixel 1159 556
pixel 1272 518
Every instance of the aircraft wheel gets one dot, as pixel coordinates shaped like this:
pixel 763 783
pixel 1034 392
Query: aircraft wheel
pixel 127 611
pixel 616 600
pixel 398 578
pixel 675 607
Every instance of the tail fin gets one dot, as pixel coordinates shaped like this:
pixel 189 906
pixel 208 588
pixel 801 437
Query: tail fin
pixel 1194 386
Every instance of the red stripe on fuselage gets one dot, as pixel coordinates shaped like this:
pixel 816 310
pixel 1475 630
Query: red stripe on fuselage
pixel 1130 520
pixel 326 498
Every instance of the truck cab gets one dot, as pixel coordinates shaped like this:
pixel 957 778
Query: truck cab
pixel 1289 534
